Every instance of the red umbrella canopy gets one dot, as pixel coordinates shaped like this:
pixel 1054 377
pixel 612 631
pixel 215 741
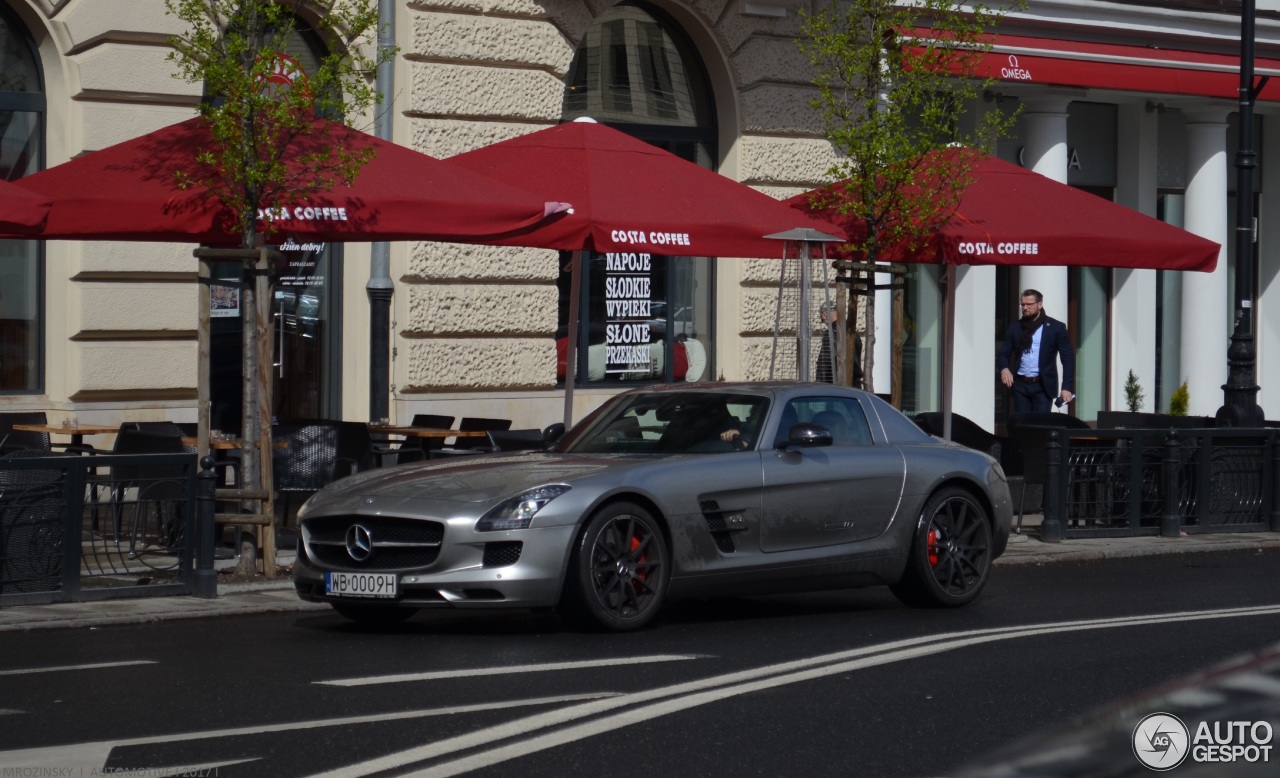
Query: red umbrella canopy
pixel 1012 216
pixel 20 210
pixel 628 195
pixel 129 192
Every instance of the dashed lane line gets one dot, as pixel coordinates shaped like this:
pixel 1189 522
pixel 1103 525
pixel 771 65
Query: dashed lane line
pixel 99 666
pixel 644 706
pixel 485 671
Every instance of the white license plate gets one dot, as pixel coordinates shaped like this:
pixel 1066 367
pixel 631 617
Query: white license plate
pixel 360 584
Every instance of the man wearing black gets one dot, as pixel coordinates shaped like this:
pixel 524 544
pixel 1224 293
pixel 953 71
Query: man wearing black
pixel 1028 358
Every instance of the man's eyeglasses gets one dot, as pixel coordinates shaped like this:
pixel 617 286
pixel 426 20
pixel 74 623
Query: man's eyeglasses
pixel 1029 305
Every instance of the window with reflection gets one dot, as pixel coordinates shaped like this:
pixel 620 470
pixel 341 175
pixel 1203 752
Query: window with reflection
pixel 644 317
pixel 22 112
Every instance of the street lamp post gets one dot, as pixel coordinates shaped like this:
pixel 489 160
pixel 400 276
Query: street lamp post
pixel 1240 393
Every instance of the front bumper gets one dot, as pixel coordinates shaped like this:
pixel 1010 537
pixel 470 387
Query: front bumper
pixel 518 569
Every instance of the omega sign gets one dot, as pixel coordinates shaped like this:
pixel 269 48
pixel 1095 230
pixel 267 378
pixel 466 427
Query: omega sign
pixel 1014 72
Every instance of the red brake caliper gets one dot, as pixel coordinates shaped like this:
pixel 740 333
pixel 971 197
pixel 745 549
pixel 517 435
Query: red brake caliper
pixel 933 547
pixel 640 576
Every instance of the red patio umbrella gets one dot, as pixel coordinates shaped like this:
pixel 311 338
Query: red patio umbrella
pixel 20 210
pixel 1012 216
pixel 630 196
pixel 128 192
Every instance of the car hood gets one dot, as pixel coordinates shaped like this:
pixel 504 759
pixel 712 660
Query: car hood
pixel 479 479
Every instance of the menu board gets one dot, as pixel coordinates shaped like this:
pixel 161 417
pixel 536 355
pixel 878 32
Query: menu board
pixel 628 302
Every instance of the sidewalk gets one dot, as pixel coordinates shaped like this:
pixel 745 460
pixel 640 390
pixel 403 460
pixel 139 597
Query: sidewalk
pixel 278 596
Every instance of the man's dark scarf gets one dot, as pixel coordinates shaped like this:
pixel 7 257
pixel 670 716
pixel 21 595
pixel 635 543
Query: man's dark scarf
pixel 1029 326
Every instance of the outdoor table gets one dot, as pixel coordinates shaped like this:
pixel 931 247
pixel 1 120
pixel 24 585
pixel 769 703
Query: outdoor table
pixel 427 432
pixel 76 431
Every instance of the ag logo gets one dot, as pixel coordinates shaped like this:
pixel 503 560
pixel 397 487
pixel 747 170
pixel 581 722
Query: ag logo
pixel 1160 741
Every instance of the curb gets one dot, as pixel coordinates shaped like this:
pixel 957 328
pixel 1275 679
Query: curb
pixel 1033 552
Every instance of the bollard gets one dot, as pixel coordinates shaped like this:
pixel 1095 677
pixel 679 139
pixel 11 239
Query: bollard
pixel 1051 529
pixel 1171 518
pixel 206 578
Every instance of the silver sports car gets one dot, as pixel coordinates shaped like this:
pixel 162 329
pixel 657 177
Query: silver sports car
pixel 672 491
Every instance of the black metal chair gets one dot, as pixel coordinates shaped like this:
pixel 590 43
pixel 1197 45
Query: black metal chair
pixel 478 424
pixel 516 440
pixel 1033 442
pixel 1011 458
pixel 414 449
pixel 964 431
pixel 12 440
pixel 308 460
pixel 356 449
pixel 158 506
pixel 32 504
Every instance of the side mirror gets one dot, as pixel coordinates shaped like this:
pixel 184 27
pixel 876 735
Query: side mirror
pixel 805 435
pixel 553 433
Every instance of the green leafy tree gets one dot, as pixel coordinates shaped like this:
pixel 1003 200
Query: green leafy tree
pixel 896 84
pixel 261 107
pixel 1180 401
pixel 259 101
pixel 1133 393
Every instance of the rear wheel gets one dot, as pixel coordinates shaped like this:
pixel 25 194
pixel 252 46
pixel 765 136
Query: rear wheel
pixel 950 557
pixel 618 572
pixel 377 615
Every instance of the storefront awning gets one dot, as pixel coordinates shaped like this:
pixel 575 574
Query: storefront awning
pixel 1047 61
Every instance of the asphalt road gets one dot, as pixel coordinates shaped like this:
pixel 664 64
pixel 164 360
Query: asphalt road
pixel 839 684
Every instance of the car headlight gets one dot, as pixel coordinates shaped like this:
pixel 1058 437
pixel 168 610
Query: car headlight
pixel 517 512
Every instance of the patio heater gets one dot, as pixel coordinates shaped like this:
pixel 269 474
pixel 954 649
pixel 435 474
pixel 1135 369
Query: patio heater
pixel 1240 393
pixel 804 326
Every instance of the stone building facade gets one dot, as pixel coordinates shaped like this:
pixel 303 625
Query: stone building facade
pixel 107 330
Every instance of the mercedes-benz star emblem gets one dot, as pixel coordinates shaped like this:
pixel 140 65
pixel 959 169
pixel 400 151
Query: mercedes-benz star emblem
pixel 359 542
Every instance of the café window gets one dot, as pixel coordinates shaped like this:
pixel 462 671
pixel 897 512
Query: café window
pixel 22 116
pixel 644 317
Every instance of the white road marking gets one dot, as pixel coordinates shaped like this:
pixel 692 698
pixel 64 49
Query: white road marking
pixel 643 706
pixel 89 757
pixel 10 711
pixel 483 671
pixel 29 670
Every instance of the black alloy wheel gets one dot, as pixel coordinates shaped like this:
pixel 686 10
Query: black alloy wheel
pixel 619 572
pixel 950 557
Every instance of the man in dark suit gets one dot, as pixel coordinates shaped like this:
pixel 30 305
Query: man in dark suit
pixel 1028 358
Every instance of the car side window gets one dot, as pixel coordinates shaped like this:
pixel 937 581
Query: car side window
pixel 843 417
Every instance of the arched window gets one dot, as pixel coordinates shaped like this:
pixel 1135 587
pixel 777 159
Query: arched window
pixel 22 117
pixel 637 71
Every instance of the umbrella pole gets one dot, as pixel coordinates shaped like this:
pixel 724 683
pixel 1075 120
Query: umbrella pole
pixel 804 330
pixel 948 360
pixel 571 351
pixel 777 312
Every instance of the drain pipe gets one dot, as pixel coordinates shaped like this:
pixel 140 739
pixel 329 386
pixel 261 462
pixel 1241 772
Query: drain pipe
pixel 380 287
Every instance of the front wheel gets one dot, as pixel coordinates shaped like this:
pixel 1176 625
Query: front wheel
pixel 950 556
pixel 618 572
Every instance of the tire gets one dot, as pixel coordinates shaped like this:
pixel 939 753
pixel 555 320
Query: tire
pixel 950 558
pixel 374 615
pixel 618 570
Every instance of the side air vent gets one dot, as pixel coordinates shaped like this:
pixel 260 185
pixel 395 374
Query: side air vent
pixel 718 527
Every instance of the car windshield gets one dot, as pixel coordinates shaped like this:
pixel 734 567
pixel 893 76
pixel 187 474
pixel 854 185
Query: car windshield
pixel 675 423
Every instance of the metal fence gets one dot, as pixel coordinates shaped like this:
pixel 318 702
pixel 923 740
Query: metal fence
pixel 96 527
pixel 1127 482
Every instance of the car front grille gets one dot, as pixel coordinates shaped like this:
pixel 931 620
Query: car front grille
pixel 395 543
